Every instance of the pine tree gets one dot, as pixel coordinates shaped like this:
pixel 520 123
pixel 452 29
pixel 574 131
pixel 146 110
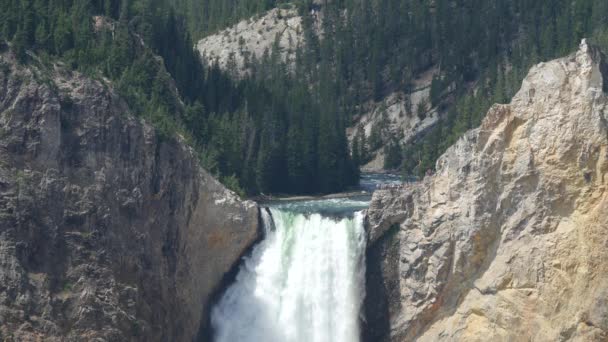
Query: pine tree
pixel 392 155
pixel 28 25
pixel 363 151
pixel 19 45
pixel 62 34
pixel 435 92
pixel 356 150
pixel 42 36
pixel 296 173
pixel 120 56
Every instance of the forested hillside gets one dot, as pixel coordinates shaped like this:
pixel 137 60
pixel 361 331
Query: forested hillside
pixel 267 133
pixel 207 16
pixel 478 52
pixel 281 129
pixel 481 50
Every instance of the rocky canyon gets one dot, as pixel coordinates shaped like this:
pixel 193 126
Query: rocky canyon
pixel 108 230
pixel 508 240
pixel 111 229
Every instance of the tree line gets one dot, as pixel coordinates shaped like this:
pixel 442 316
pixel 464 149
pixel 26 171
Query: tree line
pixel 268 133
pixel 208 16
pixel 481 50
pixel 281 128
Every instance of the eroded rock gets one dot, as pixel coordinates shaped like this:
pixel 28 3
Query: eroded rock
pixel 508 240
pixel 235 48
pixel 108 232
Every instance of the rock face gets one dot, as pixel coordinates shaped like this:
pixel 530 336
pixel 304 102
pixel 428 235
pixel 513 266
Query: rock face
pixel 235 47
pixel 397 116
pixel 508 241
pixel 108 231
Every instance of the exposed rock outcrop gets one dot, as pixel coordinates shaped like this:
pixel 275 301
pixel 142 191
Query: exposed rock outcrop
pixel 108 231
pixel 234 48
pixel 397 116
pixel 508 241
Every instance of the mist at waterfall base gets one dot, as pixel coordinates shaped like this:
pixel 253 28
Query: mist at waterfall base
pixel 304 282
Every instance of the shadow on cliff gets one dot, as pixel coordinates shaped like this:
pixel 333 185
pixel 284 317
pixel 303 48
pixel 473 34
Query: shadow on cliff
pixel 206 333
pixel 382 258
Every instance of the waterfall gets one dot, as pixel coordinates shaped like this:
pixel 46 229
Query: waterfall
pixel 303 282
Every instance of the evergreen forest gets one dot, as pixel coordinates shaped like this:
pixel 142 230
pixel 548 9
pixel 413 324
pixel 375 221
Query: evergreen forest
pixel 281 129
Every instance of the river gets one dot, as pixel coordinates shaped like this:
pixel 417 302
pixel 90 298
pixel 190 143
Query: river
pixel 305 281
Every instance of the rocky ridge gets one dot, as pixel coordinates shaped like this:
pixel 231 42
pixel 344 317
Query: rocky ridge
pixel 108 231
pixel 508 240
pixel 235 47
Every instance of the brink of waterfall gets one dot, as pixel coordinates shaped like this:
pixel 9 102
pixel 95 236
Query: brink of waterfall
pixel 303 282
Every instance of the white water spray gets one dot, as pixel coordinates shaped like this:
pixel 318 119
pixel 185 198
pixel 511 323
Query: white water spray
pixel 303 283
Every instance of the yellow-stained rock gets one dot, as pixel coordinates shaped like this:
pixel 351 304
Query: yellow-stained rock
pixel 508 241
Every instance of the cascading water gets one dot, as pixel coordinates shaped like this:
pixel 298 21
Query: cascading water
pixel 304 282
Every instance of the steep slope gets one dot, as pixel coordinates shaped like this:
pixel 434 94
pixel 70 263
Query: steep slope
pixel 235 48
pixel 107 230
pixel 399 116
pixel 508 240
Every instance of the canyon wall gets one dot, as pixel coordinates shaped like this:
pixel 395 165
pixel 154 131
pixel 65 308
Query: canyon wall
pixel 108 230
pixel 508 240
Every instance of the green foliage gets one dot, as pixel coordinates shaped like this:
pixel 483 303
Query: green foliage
pixel 375 137
pixel 467 113
pixel 135 327
pixel 62 35
pixel 232 183
pixel 121 52
pixel 276 131
pixel 67 286
pixel 19 45
pixel 392 155
pixel 356 151
pixel 208 16
pixel 421 110
pixel 363 154
pixel 479 46
pixel 436 90
pixel 209 160
pixel 600 37
pixel 262 133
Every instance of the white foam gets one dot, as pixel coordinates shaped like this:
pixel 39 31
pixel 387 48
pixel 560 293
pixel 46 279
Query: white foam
pixel 304 282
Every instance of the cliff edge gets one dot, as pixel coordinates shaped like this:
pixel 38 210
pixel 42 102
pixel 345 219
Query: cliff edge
pixel 508 241
pixel 108 231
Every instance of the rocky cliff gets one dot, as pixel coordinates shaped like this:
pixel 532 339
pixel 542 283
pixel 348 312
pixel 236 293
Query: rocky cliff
pixel 236 47
pixel 396 118
pixel 108 231
pixel 508 241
